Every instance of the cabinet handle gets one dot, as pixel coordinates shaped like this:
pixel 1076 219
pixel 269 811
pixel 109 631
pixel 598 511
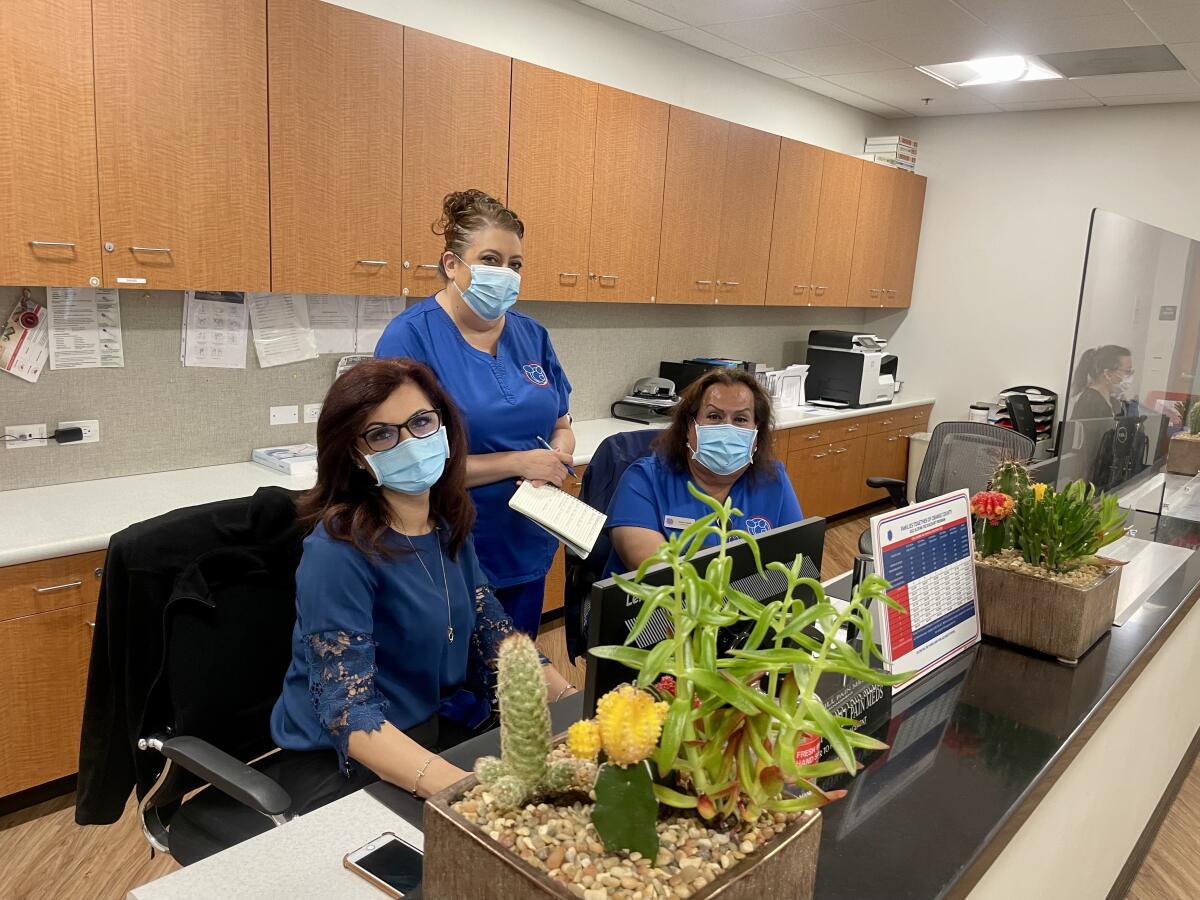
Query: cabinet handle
pixel 886 422
pixel 875 292
pixel 820 455
pixel 703 281
pixel 90 624
pixel 819 289
pixel 850 429
pixel 891 293
pixel 813 436
pixel 52 244
pixel 150 249
pixel 800 288
pixel 58 587
pixel 892 440
pixel 568 274
pixel 372 262
pixel 842 450
pixel 603 278
pixel 729 283
pixel 426 265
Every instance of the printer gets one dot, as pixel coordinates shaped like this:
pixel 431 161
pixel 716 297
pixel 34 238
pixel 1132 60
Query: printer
pixel 849 370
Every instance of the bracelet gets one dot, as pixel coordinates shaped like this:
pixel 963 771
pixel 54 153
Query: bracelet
pixel 569 687
pixel 421 774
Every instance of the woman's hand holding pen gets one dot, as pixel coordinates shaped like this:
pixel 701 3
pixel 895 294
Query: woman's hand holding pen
pixel 541 466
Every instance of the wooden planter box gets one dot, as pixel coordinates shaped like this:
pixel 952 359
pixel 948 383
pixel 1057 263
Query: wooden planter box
pixel 461 862
pixel 1183 456
pixel 1045 615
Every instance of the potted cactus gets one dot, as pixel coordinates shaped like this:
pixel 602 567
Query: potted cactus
pixel 1042 584
pixel 1183 450
pixel 698 778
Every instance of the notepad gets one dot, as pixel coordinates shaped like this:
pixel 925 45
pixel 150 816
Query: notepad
pixel 570 520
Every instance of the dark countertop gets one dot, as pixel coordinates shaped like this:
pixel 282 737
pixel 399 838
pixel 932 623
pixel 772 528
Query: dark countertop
pixel 974 748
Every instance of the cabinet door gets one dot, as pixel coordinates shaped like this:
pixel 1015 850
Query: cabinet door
pixel 808 470
pixel 794 232
pixel 887 456
pixel 908 206
pixel 871 235
pixel 845 475
pixel 551 153
pixel 44 671
pixel 49 209
pixel 181 124
pixel 627 196
pixel 456 101
pixel 692 210
pixel 837 216
pixel 337 116
pixel 751 177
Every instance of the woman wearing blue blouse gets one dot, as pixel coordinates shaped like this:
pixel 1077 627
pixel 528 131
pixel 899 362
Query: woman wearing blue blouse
pixel 397 628
pixel 720 440
pixel 501 370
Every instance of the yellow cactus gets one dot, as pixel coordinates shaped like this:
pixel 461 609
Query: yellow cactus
pixel 1039 491
pixel 583 739
pixel 630 722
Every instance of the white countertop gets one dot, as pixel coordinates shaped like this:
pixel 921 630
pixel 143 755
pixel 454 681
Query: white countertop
pixel 76 517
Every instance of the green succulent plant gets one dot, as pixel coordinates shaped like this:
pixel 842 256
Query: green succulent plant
pixel 1193 418
pixel 1066 529
pixel 1012 478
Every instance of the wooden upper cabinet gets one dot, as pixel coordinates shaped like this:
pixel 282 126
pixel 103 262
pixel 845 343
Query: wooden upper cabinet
pixel 456 106
pixel 837 216
pixel 337 113
pixel 751 174
pixel 49 212
pixel 794 234
pixel 872 235
pixel 552 149
pixel 692 207
pixel 181 123
pixel 627 196
pixel 908 206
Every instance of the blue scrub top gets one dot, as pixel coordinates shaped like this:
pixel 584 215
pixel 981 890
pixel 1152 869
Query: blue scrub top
pixel 508 401
pixel 654 494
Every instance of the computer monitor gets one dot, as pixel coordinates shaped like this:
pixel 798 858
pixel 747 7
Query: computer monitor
pixel 611 613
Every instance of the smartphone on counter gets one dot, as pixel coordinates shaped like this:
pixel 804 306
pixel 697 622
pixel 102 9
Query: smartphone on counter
pixel 389 862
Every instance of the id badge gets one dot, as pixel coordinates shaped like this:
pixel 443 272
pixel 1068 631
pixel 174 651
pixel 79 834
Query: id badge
pixel 677 523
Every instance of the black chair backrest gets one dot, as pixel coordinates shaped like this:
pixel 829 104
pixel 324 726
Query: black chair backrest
pixel 1022 415
pixel 965 454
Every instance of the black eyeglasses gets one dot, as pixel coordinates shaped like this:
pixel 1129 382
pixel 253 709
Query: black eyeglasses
pixel 381 436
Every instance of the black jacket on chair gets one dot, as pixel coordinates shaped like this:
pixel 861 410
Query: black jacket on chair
pixel 234 551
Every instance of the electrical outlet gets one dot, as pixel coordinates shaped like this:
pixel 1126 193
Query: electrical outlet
pixel 25 436
pixel 312 412
pixel 91 430
pixel 284 415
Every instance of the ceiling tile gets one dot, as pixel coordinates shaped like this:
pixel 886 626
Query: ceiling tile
pixel 1174 24
pixel 1188 54
pixel 1159 4
pixel 952 108
pixel 876 20
pixel 635 13
pixel 775 34
pixel 1141 84
pixel 851 98
pixel 769 66
pixel 1086 33
pixel 708 42
pixel 1152 98
pixel 904 88
pixel 1029 91
pixel 1028 105
pixel 710 12
pixel 948 45
pixel 841 60
pixel 1008 12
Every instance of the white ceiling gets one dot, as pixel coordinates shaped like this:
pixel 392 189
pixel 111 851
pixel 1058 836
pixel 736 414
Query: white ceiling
pixel 862 52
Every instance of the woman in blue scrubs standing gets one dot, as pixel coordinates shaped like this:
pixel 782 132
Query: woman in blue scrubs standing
pixel 503 374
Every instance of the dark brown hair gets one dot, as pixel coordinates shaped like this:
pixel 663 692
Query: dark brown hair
pixel 345 497
pixel 1095 362
pixel 465 214
pixel 672 444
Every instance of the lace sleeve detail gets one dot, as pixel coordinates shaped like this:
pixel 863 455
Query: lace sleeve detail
pixel 341 677
pixel 492 626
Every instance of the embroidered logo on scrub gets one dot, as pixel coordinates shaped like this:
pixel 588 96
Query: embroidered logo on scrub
pixel 758 525
pixel 535 374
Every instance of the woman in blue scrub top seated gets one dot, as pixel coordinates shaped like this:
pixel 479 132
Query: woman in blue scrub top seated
pixel 397 629
pixel 720 440
pixel 500 369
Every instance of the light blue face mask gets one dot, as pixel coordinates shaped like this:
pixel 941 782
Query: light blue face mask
pixel 723 449
pixel 413 466
pixel 492 291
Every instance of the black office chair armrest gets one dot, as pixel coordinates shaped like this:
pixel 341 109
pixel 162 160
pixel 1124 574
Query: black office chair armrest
pixel 231 776
pixel 894 486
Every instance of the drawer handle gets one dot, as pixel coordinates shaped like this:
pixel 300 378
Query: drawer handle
pixel 886 422
pixel 842 450
pixel 819 289
pixel 852 428
pixel 604 278
pixel 58 587
pixel 729 283
pixel 568 274
pixel 703 281
pixel 893 439
pixel 52 244
pixel 800 288
pixel 813 436
pixel 820 455
pixel 90 624
pixel 150 249
pixel 372 262
pixel 427 265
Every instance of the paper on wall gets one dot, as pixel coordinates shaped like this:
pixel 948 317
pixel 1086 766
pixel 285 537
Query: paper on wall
pixel 374 314
pixel 214 329
pixel 333 321
pixel 281 329
pixel 25 340
pixel 85 328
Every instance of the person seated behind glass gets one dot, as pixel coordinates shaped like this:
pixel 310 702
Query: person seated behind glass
pixel 720 440
pixel 397 629
pixel 1103 382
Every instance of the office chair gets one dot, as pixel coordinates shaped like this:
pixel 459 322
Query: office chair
pixel 960 455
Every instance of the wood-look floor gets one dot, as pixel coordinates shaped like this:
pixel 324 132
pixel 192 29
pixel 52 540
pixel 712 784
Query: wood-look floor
pixel 44 855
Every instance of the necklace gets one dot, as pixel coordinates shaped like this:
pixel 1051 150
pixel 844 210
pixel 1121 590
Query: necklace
pixel 445 581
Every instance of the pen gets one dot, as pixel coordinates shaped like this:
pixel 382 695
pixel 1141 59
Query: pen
pixel 546 444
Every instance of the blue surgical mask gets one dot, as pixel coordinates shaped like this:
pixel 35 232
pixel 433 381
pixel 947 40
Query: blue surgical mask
pixel 492 291
pixel 723 449
pixel 412 466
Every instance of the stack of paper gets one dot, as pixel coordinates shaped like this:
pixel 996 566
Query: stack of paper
pixel 892 150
